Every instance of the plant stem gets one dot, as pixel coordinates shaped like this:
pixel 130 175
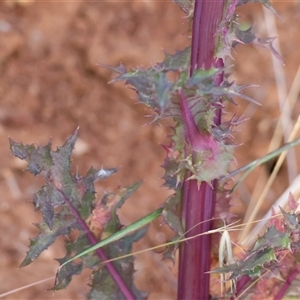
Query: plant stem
pixel 241 285
pixel 198 203
pixel 287 284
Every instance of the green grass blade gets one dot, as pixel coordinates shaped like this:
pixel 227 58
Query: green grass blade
pixel 120 234
pixel 251 166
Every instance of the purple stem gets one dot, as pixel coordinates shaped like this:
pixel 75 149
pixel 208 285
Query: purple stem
pixel 126 291
pixel 241 284
pixel 287 284
pixel 198 203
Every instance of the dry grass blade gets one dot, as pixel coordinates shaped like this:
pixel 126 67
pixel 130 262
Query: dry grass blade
pixel 291 99
pixel 286 104
pixel 283 99
pixel 25 287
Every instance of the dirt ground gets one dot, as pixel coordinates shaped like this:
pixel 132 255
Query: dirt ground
pixel 51 84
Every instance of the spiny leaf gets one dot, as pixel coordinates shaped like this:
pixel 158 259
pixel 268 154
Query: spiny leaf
pixel 38 158
pixel 200 76
pixel 163 88
pixel 249 37
pixel 65 274
pixel 121 69
pixel 171 169
pixel 266 3
pixel 176 62
pixel 113 201
pixel 126 192
pixel 75 195
pixel 172 213
pixel 272 238
pixel 210 164
pixel 293 204
pixel 107 290
pixel 170 251
pixel 230 90
pixel 262 253
pixel 62 225
pixel 103 286
pixel 46 199
pixel 64 277
pixel 121 233
pixel 203 112
pixel 152 86
pixel 252 265
pixel 223 204
pixel 59 172
pixel 291 219
pixel 19 150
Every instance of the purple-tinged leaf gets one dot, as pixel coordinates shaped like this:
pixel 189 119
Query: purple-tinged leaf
pixel 248 37
pixel 60 170
pixel 19 150
pixel 38 159
pixel 46 199
pixel 170 251
pixel 223 204
pixel 268 43
pixel 62 225
pixel 171 176
pixel 172 213
pixel 291 219
pixel 293 204
pixel 75 195
pixel 121 69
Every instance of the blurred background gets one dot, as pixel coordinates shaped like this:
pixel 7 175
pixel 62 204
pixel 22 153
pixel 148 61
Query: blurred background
pixel 50 84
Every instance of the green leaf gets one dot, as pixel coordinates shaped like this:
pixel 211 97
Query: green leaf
pixel 176 62
pixel 210 164
pixel 273 238
pixel 200 76
pixel 252 265
pixel 64 277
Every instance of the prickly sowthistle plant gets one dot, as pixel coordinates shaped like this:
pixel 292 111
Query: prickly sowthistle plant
pixel 199 153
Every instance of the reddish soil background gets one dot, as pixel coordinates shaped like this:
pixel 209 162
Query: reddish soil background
pixel 51 84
